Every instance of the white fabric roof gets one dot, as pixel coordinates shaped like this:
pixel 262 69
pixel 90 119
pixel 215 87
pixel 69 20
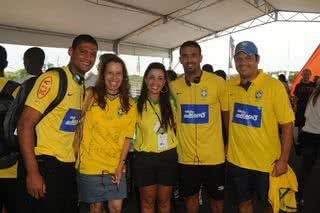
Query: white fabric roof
pixel 141 27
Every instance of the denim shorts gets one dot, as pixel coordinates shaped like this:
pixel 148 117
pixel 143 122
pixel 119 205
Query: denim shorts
pixel 99 188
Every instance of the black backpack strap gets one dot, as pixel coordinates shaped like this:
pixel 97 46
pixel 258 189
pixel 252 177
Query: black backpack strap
pixel 9 88
pixel 63 85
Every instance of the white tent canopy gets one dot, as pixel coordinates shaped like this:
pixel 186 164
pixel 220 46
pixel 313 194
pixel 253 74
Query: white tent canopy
pixel 135 27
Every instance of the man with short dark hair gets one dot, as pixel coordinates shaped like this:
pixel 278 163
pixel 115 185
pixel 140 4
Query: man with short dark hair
pixel 47 176
pixel 221 74
pixel 33 60
pixel 3 60
pixel 172 75
pixel 208 68
pixel 200 98
pixel 302 92
pixel 258 106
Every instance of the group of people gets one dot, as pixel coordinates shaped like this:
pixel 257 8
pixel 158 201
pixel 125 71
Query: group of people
pixel 78 151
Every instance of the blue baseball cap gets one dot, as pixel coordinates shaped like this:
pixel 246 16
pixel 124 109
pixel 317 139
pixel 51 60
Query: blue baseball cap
pixel 247 47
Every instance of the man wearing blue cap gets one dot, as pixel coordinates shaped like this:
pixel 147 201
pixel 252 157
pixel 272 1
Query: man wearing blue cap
pixel 258 105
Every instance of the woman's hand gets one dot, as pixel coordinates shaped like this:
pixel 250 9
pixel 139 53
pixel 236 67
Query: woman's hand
pixel 118 173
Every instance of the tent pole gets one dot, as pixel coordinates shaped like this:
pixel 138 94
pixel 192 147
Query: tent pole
pixel 115 46
pixel 170 58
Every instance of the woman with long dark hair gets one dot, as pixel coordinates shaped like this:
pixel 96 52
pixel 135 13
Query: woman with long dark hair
pixel 155 163
pixel 108 125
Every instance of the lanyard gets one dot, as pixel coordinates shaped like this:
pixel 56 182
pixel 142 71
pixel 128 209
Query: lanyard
pixel 155 113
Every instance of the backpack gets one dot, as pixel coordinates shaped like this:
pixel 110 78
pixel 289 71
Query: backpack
pixel 10 154
pixel 6 98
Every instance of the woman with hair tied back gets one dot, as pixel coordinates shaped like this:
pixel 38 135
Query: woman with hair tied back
pixel 155 161
pixel 108 125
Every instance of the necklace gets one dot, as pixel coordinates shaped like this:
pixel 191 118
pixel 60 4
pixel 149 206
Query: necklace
pixel 112 96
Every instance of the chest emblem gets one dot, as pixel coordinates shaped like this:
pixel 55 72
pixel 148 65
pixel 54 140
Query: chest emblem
pixel 204 93
pixel 259 94
pixel 120 112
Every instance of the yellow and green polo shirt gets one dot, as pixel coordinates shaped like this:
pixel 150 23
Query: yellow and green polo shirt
pixel 198 118
pixel 255 115
pixel 55 132
pixel 104 133
pixel 146 135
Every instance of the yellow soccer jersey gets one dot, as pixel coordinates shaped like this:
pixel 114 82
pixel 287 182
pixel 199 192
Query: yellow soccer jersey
pixel 147 139
pixel 198 118
pixel 255 116
pixel 12 171
pixel 104 133
pixel 55 132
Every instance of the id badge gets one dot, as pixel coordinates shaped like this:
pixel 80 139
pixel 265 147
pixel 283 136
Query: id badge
pixel 162 141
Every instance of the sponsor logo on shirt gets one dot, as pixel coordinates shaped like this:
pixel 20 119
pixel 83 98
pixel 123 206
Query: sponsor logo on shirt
pixel 220 188
pixel 194 113
pixel 44 87
pixel 70 120
pixel 247 115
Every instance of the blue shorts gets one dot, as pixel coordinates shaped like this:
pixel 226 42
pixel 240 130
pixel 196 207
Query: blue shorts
pixel 99 188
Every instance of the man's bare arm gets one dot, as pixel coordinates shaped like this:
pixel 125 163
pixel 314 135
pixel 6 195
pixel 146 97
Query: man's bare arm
pixel 26 125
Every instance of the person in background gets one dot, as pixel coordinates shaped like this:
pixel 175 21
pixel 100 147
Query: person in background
pixel 302 92
pixel 208 68
pixel 8 177
pixel 155 163
pixel 108 126
pixel 221 73
pixel 33 61
pixel 285 83
pixel 172 75
pixel 316 80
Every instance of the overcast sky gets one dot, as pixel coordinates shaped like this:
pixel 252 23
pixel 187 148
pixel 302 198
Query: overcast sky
pixel 282 46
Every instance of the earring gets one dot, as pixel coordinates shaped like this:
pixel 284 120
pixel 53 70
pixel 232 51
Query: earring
pixel 166 89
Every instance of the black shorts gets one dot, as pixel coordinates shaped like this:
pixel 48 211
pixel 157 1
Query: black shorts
pixel 193 176
pixel 61 187
pixel 245 184
pixel 151 168
pixel 8 194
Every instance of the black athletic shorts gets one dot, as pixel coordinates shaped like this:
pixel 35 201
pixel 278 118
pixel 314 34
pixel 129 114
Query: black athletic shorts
pixel 245 184
pixel 8 194
pixel 151 168
pixel 191 177
pixel 61 187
